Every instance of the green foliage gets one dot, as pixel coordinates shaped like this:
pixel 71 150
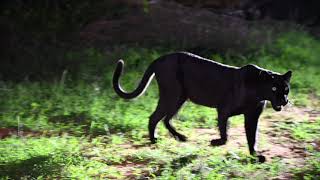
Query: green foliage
pixel 42 157
pixel 305 130
pixel 49 20
pixel 312 168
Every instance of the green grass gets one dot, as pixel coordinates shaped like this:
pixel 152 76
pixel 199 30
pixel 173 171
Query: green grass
pixel 308 133
pixel 312 168
pixel 66 156
pixel 98 124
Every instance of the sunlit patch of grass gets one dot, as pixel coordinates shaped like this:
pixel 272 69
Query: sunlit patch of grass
pixel 236 121
pixel 34 157
pixel 218 164
pixel 302 131
pixel 77 157
pixel 193 115
pixel 88 169
pixel 311 169
pixel 306 132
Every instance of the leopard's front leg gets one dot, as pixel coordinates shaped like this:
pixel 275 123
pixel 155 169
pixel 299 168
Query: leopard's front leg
pixel 251 128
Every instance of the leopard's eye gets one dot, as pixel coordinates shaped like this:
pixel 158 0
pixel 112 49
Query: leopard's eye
pixel 274 88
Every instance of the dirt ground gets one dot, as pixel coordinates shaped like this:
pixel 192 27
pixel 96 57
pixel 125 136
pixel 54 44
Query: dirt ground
pixel 272 141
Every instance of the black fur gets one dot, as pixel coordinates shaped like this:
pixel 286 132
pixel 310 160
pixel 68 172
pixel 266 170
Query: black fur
pixel 232 90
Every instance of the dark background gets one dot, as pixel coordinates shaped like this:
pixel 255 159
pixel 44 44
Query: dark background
pixel 36 35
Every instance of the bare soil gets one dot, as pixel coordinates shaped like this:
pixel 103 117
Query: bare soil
pixel 272 141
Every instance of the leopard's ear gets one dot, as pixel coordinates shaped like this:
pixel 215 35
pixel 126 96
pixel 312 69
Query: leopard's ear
pixel 287 76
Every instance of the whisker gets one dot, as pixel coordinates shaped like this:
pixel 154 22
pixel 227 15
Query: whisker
pixel 290 103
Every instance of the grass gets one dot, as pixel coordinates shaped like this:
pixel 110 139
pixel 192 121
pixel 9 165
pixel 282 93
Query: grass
pixel 89 132
pixel 73 157
pixel 305 132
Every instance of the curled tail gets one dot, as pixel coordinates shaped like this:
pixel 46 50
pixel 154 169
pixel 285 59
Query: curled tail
pixel 143 85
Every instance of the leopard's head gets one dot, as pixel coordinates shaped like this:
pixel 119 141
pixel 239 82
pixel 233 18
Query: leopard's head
pixel 276 89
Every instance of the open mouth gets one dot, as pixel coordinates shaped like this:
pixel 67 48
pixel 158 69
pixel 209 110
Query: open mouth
pixel 279 106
